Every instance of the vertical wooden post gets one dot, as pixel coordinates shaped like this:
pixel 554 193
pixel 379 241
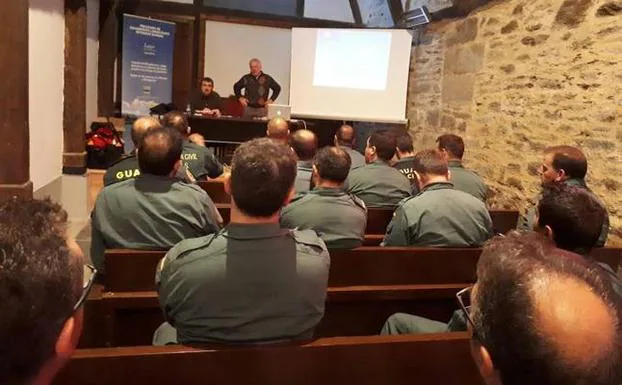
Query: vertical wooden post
pixel 14 128
pixel 74 111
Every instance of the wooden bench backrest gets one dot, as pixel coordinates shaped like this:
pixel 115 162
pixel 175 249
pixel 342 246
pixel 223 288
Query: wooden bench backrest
pixel 134 270
pixel 216 191
pixel 129 319
pixel 503 221
pixel 397 360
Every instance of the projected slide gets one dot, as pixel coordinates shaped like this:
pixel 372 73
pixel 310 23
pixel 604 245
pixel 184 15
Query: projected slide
pixel 352 59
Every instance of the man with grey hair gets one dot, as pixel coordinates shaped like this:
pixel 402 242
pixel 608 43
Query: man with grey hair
pixel 256 86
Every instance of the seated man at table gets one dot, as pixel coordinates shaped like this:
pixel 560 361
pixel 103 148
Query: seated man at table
pixel 43 284
pixel 304 144
pixel 200 161
pixel 153 210
pixel 254 282
pixel 378 184
pixel 452 148
pixel 346 139
pixel 127 166
pixel 439 216
pixel 278 129
pixel 338 217
pixel 538 319
pixel 206 101
pixel 405 153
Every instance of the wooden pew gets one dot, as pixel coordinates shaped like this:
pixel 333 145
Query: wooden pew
pixel 129 319
pixel 134 270
pixel 216 190
pixel 396 360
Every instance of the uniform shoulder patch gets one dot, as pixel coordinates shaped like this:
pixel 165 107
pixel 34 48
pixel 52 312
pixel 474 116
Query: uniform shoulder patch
pixel 309 238
pixel 358 201
pixel 189 245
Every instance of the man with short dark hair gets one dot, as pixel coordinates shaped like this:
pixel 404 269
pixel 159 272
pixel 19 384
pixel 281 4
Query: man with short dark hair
pixel 378 184
pixel 452 148
pixel 439 216
pixel 200 161
pixel 254 282
pixel 304 144
pixel 338 217
pixel 405 153
pixel 278 129
pixel 43 284
pixel 346 139
pixel 573 218
pixel 567 165
pixel 540 319
pixel 206 101
pixel 153 210
pixel 257 86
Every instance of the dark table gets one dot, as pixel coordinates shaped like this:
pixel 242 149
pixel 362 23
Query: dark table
pixel 238 130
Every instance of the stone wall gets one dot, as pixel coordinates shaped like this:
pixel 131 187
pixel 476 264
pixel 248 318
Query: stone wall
pixel 516 76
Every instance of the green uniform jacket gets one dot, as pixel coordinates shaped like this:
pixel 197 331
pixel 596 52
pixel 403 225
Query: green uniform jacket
pixel 303 176
pixel 247 284
pixel 339 218
pixel 357 159
pixel 149 212
pixel 200 161
pixel 127 168
pixel 405 166
pixel 526 222
pixel 440 216
pixel 378 185
pixel 467 180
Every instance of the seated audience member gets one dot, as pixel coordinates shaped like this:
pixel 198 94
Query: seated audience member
pixel 439 216
pixel 378 184
pixel 567 165
pixel 254 282
pixel 573 218
pixel 345 138
pixel 43 284
pixel 304 144
pixel 569 216
pixel 452 148
pixel 200 161
pixel 154 210
pixel 540 319
pixel 206 101
pixel 127 166
pixel 405 154
pixel 278 129
pixel 338 217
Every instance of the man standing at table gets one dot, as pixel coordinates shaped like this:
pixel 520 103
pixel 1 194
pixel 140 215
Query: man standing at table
pixel 257 86
pixel 206 101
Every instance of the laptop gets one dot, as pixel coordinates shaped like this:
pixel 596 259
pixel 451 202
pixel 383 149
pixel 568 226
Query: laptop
pixel 279 110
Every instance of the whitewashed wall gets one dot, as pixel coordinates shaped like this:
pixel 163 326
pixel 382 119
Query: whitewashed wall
pixel 46 82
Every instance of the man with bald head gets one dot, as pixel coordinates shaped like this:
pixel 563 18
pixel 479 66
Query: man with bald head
pixel 153 211
pixel 345 138
pixel 278 129
pixel 540 319
pixel 127 166
pixel 304 144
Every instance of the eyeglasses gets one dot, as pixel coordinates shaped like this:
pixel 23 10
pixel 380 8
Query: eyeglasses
pixel 88 280
pixel 464 299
